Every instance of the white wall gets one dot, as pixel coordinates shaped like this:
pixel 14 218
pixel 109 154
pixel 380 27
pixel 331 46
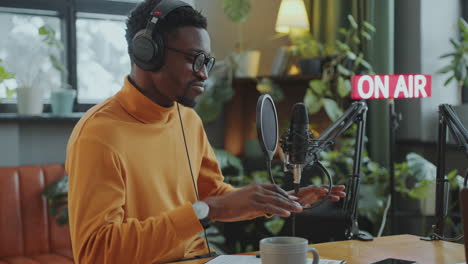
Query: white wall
pixel 438 25
pixel 27 142
pixel 257 30
pixel 423 33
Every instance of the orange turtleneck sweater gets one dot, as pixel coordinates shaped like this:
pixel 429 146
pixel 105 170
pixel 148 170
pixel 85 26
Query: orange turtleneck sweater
pixel 130 187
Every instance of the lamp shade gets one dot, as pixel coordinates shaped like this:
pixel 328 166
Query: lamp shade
pixel 291 14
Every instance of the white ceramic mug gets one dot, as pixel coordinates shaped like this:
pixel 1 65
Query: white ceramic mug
pixel 286 250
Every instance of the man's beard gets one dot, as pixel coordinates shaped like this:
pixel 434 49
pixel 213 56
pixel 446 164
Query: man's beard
pixel 185 101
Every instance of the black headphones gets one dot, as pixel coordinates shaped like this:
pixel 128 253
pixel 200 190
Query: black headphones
pixel 148 50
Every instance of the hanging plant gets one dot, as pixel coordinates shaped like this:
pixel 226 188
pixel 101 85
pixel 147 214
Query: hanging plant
pixel 236 10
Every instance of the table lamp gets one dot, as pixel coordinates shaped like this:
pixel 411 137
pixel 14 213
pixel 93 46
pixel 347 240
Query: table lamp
pixel 293 21
pixel 291 14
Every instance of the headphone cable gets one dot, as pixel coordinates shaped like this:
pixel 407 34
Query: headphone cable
pixel 191 173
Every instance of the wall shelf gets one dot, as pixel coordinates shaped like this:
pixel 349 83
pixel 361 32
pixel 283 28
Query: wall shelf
pixel 73 117
pixel 239 113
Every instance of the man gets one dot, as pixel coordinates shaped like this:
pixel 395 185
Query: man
pixel 144 180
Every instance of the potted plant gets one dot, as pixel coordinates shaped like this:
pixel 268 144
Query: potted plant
pixel 457 69
pixel 246 61
pixel 61 98
pixel 310 51
pixel 332 91
pixel 29 92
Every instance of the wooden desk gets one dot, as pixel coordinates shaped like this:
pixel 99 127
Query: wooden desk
pixel 402 246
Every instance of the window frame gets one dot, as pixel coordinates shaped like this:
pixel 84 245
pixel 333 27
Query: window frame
pixel 66 11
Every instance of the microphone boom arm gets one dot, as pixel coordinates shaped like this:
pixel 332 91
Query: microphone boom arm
pixel 327 138
pixel 356 113
pixel 447 118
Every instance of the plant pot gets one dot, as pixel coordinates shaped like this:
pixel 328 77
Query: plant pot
pixel 428 204
pixel 29 100
pixel 247 64
pixel 311 67
pixel 62 101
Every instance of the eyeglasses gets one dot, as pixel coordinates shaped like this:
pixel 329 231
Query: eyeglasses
pixel 199 60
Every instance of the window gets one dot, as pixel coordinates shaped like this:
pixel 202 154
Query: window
pixel 102 56
pixel 93 33
pixel 24 54
pixel 96 67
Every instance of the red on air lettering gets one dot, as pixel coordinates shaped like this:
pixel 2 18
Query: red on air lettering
pixel 391 86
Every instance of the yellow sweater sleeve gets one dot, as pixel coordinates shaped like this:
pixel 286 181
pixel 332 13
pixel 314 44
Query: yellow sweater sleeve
pixel 100 230
pixel 210 179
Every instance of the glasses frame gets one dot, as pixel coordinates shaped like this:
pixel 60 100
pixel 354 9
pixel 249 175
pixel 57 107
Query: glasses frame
pixel 206 59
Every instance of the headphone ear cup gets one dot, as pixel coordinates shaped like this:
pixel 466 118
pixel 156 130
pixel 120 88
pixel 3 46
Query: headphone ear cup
pixel 144 51
pixel 160 54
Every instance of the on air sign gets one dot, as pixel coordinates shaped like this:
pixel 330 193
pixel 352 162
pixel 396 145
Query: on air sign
pixel 391 86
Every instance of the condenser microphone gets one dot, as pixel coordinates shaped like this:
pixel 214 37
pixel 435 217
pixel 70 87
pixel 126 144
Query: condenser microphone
pixel 299 141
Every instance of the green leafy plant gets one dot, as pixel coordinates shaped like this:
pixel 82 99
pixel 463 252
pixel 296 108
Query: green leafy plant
pixel 332 91
pixel 56 194
pixel 416 176
pixel 218 91
pixel 50 39
pixel 6 75
pixel 459 59
pixel 305 46
pixel 237 11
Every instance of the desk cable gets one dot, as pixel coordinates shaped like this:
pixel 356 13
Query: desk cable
pixel 317 204
pixel 191 173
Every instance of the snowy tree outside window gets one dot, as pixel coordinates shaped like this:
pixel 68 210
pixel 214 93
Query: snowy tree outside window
pixel 103 60
pixel 25 55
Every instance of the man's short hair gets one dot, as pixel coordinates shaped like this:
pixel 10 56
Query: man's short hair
pixel 180 17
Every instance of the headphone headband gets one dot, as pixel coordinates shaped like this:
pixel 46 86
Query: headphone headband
pixel 160 11
pixel 148 53
pixel 164 7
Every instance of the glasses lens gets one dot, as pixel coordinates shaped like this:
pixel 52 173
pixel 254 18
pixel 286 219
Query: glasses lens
pixel 210 64
pixel 198 62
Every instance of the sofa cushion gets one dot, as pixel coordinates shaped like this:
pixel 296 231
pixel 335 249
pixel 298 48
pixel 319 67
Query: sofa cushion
pixel 26 227
pixel 52 258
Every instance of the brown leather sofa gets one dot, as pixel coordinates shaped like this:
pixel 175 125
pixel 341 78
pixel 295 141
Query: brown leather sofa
pixel 28 235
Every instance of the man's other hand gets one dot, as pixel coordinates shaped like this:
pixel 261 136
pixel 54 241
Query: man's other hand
pixel 252 201
pixel 311 194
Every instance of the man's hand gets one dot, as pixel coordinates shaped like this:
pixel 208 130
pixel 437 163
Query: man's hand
pixel 252 201
pixel 311 194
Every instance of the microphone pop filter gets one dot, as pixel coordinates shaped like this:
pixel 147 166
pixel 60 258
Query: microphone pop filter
pixel 267 125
